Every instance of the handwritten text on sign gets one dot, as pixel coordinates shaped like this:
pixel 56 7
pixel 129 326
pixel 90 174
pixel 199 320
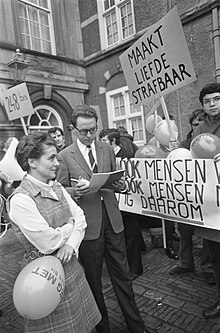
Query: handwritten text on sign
pixel 17 102
pixel 159 62
pixel 182 190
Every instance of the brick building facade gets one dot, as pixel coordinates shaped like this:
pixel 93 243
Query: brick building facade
pixel 105 38
pixel 73 50
pixel 48 35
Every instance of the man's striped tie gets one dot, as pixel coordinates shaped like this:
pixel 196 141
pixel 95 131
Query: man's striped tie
pixel 93 164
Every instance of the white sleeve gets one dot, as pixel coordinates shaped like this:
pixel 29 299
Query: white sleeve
pixel 79 225
pixel 24 213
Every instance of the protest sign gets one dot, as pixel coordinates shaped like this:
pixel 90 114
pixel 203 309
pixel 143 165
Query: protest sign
pixel 17 102
pixel 159 62
pixel 181 190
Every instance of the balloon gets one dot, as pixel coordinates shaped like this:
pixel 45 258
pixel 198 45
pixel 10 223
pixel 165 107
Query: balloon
pixel 162 134
pixel 151 122
pixel 205 145
pixel 180 153
pixel 149 151
pixel 38 288
pixel 153 141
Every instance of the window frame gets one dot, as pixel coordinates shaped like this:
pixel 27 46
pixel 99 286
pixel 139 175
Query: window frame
pixel 128 117
pixel 102 13
pixel 51 25
pixel 52 112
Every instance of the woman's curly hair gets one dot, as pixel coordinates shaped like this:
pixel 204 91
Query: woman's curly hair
pixel 32 146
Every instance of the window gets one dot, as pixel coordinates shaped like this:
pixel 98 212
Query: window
pixel 116 19
pixel 36 26
pixel 121 112
pixel 43 118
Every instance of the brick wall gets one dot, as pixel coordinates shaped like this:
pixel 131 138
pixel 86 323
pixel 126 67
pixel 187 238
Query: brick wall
pixel 198 33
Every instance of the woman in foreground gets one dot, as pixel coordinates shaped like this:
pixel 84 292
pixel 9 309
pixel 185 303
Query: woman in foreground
pixel 48 222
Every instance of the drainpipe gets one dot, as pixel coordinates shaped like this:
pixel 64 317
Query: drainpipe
pixel 216 39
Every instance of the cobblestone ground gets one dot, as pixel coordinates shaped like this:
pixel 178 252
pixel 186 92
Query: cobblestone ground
pixel 167 304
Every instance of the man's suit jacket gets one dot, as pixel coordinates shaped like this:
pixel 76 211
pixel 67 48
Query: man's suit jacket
pixel 73 165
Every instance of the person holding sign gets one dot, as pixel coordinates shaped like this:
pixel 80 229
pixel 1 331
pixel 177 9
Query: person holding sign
pixel 48 222
pixel 186 231
pixel 104 237
pixel 210 99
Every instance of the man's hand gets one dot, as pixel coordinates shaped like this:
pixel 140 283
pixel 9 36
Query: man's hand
pixel 119 185
pixel 82 187
pixel 65 253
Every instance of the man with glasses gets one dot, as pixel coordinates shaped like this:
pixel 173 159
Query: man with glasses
pixel 104 237
pixel 210 100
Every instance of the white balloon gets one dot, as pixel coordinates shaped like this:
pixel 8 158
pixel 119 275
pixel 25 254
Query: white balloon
pixel 151 122
pixel 153 141
pixel 180 153
pixel 162 133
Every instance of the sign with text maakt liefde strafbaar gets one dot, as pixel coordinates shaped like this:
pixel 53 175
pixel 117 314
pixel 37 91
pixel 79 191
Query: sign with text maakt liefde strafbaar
pixel 159 62
pixel 17 102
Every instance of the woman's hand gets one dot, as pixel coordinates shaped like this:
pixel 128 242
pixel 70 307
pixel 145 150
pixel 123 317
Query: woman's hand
pixel 65 253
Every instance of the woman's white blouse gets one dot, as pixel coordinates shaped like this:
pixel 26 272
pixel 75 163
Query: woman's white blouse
pixel 24 213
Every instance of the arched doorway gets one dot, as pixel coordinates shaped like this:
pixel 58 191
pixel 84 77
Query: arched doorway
pixel 55 111
pixel 44 117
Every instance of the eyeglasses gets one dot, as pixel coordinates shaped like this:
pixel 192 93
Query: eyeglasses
pixel 84 132
pixel 209 100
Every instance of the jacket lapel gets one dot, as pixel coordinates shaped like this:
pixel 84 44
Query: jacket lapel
pixel 78 157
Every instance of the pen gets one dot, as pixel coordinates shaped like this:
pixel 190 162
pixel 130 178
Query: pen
pixel 74 180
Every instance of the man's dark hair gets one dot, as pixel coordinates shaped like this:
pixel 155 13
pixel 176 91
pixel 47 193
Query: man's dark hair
pixel 122 130
pixel 103 133
pixel 54 129
pixel 112 134
pixel 209 89
pixel 32 146
pixel 83 111
pixel 197 113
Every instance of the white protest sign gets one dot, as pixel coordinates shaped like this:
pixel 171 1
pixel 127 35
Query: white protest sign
pixel 17 102
pixel 182 190
pixel 159 62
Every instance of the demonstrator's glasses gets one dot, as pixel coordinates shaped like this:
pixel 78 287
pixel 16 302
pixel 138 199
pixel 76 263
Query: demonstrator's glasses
pixel 209 100
pixel 84 132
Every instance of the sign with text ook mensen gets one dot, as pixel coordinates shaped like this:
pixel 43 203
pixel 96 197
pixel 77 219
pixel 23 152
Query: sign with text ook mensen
pixel 17 102
pixel 159 62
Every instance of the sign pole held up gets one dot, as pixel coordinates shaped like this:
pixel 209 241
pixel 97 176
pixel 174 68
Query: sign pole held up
pixel 166 115
pixel 24 126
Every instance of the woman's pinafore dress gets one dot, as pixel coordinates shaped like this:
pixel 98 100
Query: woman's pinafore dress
pixel 77 311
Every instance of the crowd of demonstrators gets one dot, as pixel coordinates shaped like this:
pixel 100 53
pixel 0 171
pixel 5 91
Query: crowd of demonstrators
pixel 99 232
pixel 210 100
pixel 104 236
pixel 57 134
pixel 47 221
pixel 133 235
pixel 186 231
